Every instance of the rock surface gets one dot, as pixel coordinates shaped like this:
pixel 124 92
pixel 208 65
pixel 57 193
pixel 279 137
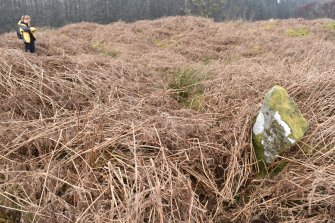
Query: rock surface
pixel 278 126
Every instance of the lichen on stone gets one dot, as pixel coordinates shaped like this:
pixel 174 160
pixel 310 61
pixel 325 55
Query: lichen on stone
pixel 278 126
pixel 259 124
pixel 289 111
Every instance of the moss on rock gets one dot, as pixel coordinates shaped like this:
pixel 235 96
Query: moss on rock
pixel 279 125
pixel 280 101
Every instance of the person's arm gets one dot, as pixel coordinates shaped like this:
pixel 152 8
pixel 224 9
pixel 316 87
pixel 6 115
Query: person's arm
pixel 25 28
pixel 28 29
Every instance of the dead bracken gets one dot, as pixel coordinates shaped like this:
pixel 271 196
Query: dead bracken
pixel 92 131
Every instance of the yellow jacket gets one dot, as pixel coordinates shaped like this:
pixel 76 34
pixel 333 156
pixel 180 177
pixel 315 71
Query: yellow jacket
pixel 27 32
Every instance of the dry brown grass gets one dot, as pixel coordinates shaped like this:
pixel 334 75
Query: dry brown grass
pixel 92 136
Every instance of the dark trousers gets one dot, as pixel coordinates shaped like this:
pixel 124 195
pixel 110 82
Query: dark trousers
pixel 30 47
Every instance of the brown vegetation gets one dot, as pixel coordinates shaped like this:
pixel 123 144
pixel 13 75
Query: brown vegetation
pixel 91 129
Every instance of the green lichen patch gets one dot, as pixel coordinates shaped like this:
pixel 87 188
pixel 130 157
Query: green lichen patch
pixel 259 152
pixel 259 149
pixel 280 101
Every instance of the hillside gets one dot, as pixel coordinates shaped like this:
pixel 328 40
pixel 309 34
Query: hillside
pixel 151 121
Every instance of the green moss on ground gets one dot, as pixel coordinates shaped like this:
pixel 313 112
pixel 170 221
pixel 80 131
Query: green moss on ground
pixel 298 32
pixel 331 25
pixel 270 26
pixel 163 43
pixel 196 102
pixel 187 85
pixel 103 49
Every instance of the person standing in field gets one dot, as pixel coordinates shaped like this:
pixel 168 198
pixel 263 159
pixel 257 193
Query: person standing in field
pixel 26 33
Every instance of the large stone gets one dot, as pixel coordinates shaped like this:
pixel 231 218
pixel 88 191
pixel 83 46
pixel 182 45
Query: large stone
pixel 278 126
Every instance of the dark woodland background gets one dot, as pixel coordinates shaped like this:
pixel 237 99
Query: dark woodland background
pixel 55 13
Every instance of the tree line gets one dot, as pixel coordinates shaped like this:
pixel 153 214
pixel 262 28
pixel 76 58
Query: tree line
pixel 55 13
